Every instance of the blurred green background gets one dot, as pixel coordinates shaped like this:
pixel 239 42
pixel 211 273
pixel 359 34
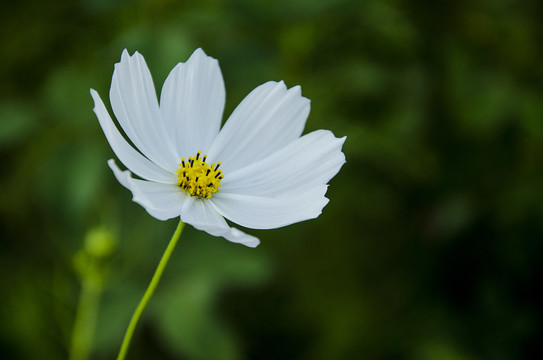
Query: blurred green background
pixel 430 246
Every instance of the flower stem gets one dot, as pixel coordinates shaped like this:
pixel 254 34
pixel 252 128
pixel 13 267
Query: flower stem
pixel 85 320
pixel 149 292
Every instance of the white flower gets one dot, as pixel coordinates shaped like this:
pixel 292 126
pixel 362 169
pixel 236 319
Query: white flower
pixel 270 176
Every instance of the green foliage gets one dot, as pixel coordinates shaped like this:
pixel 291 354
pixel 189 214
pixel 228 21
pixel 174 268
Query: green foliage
pixel 429 248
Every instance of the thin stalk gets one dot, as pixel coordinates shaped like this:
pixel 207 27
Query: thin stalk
pixel 149 292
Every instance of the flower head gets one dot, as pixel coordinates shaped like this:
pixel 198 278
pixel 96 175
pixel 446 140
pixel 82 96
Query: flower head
pixel 256 171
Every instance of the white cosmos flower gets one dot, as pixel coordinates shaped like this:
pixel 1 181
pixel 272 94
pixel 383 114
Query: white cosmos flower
pixel 270 176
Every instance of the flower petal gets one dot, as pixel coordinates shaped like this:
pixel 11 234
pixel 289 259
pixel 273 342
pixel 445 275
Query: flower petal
pixel 132 159
pixel 269 213
pixel 134 102
pixel 306 162
pixel 201 214
pixel 192 103
pixel 161 201
pixel 269 118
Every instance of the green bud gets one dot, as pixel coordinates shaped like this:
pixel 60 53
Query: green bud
pixel 100 242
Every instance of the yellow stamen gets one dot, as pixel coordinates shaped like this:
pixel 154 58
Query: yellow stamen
pixel 198 178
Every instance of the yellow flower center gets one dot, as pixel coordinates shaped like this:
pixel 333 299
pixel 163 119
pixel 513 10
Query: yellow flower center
pixel 198 178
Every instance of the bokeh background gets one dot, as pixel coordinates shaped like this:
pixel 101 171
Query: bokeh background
pixel 430 247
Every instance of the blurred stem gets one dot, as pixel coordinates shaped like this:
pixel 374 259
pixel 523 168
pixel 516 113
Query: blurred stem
pixel 149 292
pixel 91 264
pixel 85 319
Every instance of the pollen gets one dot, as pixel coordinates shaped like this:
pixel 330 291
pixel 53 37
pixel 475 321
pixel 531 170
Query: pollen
pixel 197 177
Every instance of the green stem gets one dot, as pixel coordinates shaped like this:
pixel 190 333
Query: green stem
pixel 85 319
pixel 149 292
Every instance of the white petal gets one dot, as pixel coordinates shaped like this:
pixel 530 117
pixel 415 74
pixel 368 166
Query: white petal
pixel 306 162
pixel 201 214
pixel 269 213
pixel 192 103
pixel 269 118
pixel 134 102
pixel 161 201
pixel 132 159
